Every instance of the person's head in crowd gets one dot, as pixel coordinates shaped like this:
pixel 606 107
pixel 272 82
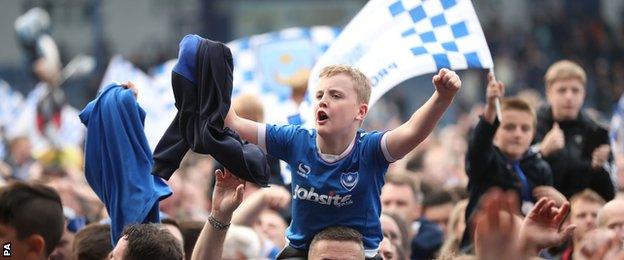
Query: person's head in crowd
pixel 174 228
pixel 389 250
pixel 190 232
pixel 437 208
pixel 272 226
pixel 401 195
pixel 31 217
pixel 63 250
pixel 565 89
pixel 517 128
pixel 147 241
pixel 593 241
pixel 584 207
pixel 611 216
pixel 242 243
pixel 20 149
pixel 92 243
pixel 249 106
pixel 396 230
pixel 340 100
pixel 298 82
pixel 455 228
pixel 337 243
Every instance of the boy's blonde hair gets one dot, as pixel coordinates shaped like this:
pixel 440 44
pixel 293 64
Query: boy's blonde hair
pixel 564 69
pixel 519 105
pixel 361 83
pixel 587 195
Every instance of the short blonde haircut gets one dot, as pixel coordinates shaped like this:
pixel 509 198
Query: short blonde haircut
pixel 361 83
pixel 587 195
pixel 564 69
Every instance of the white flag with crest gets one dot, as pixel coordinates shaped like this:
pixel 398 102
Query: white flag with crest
pixel 392 41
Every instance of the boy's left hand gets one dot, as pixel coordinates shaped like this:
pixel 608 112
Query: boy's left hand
pixel 446 83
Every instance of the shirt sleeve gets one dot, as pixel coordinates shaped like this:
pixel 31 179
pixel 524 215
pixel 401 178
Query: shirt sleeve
pixel 375 147
pixel 279 140
pixel 480 149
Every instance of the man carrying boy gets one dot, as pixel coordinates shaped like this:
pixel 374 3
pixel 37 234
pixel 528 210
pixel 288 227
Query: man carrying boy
pixel 338 169
pixel 499 157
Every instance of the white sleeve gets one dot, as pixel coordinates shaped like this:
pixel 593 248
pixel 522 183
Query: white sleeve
pixel 261 137
pixel 384 150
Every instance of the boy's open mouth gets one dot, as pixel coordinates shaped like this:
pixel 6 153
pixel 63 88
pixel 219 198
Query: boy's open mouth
pixel 321 116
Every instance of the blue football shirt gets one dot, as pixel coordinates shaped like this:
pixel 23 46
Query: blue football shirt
pixel 340 193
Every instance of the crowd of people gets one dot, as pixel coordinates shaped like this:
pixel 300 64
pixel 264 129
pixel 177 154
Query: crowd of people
pixel 519 182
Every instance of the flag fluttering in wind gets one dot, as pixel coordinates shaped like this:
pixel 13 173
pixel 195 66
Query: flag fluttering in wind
pixel 392 41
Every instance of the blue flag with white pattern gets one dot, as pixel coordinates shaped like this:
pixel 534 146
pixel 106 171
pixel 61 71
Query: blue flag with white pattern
pixel 392 41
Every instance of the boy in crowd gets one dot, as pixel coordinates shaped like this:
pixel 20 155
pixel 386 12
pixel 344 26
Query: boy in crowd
pixel 31 220
pixel 500 157
pixel 338 169
pixel 575 147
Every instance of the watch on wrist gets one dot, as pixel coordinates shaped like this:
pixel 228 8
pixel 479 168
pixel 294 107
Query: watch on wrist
pixel 216 224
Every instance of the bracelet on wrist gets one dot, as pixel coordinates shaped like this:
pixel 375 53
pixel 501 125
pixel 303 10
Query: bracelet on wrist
pixel 216 224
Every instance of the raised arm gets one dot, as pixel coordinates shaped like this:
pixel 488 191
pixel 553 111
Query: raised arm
pixel 495 90
pixel 227 196
pixel 407 136
pixel 275 197
pixel 247 129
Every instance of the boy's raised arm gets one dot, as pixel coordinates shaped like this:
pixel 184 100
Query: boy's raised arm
pixel 407 136
pixel 247 129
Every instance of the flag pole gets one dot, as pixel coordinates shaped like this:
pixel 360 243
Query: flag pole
pixel 497 103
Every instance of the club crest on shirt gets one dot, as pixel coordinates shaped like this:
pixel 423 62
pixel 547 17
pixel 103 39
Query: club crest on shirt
pixel 349 180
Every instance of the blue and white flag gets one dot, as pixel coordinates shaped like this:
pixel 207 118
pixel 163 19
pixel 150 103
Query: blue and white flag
pixel 392 41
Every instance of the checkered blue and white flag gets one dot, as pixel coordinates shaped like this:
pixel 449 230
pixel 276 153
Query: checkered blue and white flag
pixel 391 41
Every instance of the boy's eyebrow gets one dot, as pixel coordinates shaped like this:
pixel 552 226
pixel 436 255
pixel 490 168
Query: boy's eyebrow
pixel 331 90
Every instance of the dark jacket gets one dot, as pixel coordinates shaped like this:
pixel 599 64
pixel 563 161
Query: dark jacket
pixel 202 88
pixel 571 166
pixel 487 167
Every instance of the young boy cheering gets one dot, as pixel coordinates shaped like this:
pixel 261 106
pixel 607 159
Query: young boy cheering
pixel 338 169
pixel 498 155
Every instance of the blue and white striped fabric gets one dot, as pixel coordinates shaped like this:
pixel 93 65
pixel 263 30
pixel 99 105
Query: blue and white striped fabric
pixel 391 41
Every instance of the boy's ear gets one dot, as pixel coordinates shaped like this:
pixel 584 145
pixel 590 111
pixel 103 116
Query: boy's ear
pixel 36 244
pixel 362 112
